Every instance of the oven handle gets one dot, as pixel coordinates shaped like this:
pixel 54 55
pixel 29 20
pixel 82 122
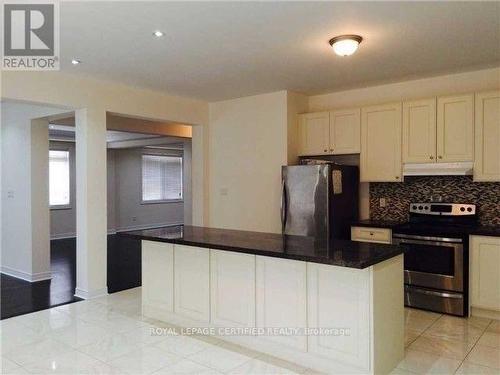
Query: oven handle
pixel 426 238
pixel 433 293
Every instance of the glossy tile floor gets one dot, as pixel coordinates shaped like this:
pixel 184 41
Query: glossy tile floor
pixel 442 344
pixel 109 336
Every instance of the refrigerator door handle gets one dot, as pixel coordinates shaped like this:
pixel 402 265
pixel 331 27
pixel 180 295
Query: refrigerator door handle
pixel 283 206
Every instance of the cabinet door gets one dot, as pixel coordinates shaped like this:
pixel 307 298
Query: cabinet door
pixel 339 298
pixel 419 131
pixel 232 289
pixel 314 133
pixel 345 127
pixel 487 135
pixel 158 275
pixel 191 282
pixel 380 158
pixel 485 272
pixel 455 128
pixel 281 298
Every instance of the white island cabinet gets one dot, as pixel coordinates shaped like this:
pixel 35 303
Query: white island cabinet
pixel 330 318
pixel 281 298
pixel 232 289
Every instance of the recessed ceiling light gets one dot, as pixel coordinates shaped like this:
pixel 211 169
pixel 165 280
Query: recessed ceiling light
pixel 345 45
pixel 158 33
pixel 75 62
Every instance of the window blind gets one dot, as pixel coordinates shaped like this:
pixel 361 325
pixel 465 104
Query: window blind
pixel 59 179
pixel 161 178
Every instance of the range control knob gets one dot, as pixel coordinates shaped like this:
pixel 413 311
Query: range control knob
pixel 462 209
pixel 469 209
pixel 426 207
pixel 414 207
pixel 420 207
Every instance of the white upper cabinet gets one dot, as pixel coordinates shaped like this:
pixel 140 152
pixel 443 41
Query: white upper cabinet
pixel 345 131
pixel 487 136
pixel 380 158
pixel 314 133
pixel 455 128
pixel 330 133
pixel 419 131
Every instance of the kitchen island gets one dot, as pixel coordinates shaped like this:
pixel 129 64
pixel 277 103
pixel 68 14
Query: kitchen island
pixel 334 306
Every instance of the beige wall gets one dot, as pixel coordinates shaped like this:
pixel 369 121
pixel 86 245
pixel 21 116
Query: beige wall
pixel 247 147
pixel 296 103
pixel 485 79
pixel 72 92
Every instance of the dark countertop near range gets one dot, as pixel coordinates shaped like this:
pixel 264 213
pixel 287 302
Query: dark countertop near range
pixel 478 230
pixel 338 252
pixel 484 230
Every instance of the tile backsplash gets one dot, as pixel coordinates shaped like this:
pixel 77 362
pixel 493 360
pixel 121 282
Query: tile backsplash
pixel 459 189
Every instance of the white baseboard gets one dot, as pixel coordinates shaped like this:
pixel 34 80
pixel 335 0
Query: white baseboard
pixel 485 313
pixel 31 277
pixel 147 226
pixel 86 294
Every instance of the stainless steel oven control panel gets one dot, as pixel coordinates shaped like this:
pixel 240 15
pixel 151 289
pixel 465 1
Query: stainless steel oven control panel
pixel 443 209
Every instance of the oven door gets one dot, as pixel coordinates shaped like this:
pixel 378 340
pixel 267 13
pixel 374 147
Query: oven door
pixel 432 262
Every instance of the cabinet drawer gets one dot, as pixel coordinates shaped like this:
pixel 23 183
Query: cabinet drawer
pixel 367 234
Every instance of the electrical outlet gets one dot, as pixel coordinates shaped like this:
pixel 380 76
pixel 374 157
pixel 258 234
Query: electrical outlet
pixel 382 202
pixel 223 191
pixel 134 218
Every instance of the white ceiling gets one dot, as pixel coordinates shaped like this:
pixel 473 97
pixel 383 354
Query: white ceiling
pixel 223 50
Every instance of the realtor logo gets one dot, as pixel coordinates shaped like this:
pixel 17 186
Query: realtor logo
pixel 31 36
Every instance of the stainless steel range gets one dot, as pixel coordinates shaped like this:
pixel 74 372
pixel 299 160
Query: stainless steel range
pixel 436 256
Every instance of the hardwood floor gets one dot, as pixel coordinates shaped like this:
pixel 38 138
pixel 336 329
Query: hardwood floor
pixel 21 297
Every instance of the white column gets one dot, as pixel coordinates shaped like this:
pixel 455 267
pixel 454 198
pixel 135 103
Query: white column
pixel 40 215
pixel 91 207
pixel 199 175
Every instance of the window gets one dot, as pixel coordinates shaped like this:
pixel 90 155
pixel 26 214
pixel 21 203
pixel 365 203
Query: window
pixel 161 178
pixel 59 183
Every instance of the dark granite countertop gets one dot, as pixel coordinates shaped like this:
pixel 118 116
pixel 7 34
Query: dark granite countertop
pixel 483 230
pixel 338 252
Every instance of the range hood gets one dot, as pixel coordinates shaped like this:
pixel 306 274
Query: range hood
pixel 438 169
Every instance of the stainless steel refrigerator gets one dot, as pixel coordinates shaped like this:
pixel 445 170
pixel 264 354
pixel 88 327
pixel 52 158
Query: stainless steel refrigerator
pixel 319 200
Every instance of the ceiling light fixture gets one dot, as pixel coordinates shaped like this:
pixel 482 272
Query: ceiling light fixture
pixel 158 33
pixel 75 62
pixel 345 45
